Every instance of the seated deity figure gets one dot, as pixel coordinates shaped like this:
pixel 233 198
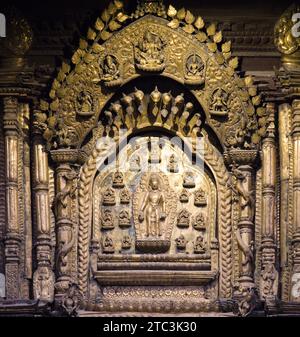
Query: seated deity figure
pixel 153 208
pixel 118 180
pixel 183 220
pixel 108 245
pixel 126 242
pixel 200 198
pixel 110 68
pixel 84 104
pixel 200 245
pixel 181 242
pixel 194 66
pixel 149 51
pixel 125 196
pixel 173 164
pixel 124 218
pixel 107 220
pixel 199 222
pixel 188 180
pixel 109 197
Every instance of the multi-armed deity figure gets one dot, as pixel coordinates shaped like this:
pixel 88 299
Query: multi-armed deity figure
pixel 153 207
pixel 149 52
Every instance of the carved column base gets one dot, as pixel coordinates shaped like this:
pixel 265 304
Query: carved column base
pixel 269 274
pixel 295 278
pixel 245 300
pixel 43 277
pixel 61 287
pixel 12 247
pixel 296 248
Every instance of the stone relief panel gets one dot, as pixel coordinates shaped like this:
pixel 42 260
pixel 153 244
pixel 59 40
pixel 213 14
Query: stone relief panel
pixel 157 225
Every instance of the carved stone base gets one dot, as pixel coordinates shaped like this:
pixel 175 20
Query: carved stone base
pixel 153 246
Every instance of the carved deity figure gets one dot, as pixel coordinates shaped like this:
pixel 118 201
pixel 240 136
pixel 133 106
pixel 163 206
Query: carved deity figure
pixel 85 104
pixel 194 69
pixel 153 207
pixel 68 192
pixel 199 222
pixel 245 197
pixel 246 300
pixel 126 242
pixel 200 245
pixel 269 281
pixel 183 220
pixel 184 196
pixel 135 163
pixel 124 218
pixel 181 242
pixel 200 198
pixel 43 282
pixel 125 196
pixel 110 68
pixel 155 153
pixel 107 220
pixel 118 180
pixel 219 106
pixel 108 245
pixel 149 52
pixel 109 197
pixel 188 180
pixel 173 164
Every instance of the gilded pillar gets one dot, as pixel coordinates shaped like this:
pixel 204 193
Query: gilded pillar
pixel 66 182
pixel 245 232
pixel 24 120
pixel 43 279
pixel 243 183
pixel 12 237
pixel 284 111
pixel 295 288
pixel 269 274
pixel 288 45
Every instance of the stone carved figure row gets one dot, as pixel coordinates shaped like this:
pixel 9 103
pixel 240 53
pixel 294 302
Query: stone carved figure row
pixel 199 197
pixel 108 243
pixel 184 218
pixel 108 220
pixel 109 197
pixel 200 244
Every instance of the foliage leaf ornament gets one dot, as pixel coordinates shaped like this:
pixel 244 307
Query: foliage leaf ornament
pixel 233 63
pixel 174 23
pixel 199 23
pixel 211 29
pixel 226 47
pixel 218 37
pixel 172 12
pixel 181 14
pixel 189 18
pixel 99 25
pixel 91 35
pixel 189 29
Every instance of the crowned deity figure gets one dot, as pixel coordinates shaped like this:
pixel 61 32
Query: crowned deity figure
pixel 111 71
pixel 149 52
pixel 194 66
pixel 219 104
pixel 153 207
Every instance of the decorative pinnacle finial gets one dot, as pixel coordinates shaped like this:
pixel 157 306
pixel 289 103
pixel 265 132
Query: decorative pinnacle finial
pixel 155 7
pixel 286 33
